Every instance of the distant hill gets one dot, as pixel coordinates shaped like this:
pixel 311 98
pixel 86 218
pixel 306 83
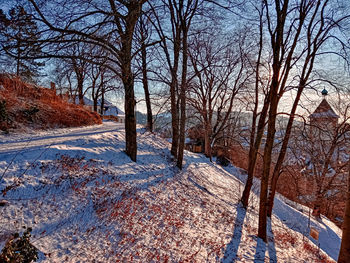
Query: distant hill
pixel 141 118
pixel 25 105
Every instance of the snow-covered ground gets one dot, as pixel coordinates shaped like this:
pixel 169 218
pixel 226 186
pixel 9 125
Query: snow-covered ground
pixel 87 202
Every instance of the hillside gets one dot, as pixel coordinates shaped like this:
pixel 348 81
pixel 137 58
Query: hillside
pixel 87 202
pixel 24 105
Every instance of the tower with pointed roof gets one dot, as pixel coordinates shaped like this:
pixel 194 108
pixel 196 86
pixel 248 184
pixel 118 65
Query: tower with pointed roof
pixel 324 117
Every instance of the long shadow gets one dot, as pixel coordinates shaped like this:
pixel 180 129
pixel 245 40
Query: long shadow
pixel 230 254
pixel 260 251
pixel 62 135
pixel 271 245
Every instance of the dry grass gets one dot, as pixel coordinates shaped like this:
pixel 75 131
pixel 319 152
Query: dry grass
pixel 27 104
pixel 318 257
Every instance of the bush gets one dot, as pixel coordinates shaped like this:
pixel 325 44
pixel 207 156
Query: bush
pixel 3 111
pixel 27 104
pixel 19 249
pixel 4 118
pixel 222 160
pixel 30 113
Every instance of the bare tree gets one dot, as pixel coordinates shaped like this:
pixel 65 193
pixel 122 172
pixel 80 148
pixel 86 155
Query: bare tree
pixel 108 25
pixel 320 150
pixel 144 31
pixel 319 29
pixel 101 81
pixel 19 35
pixel 297 31
pixel 219 74
pixel 257 125
pixel 174 43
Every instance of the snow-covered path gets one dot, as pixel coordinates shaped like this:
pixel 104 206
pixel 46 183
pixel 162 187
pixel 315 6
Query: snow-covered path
pixel 35 140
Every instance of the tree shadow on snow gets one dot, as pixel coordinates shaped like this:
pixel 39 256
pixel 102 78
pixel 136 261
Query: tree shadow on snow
pixel 261 247
pixel 230 254
pixel 260 251
pixel 271 245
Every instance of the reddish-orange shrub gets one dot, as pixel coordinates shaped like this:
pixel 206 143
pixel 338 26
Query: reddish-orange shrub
pixel 28 104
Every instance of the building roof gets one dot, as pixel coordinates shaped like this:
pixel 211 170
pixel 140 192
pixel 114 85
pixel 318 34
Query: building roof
pixel 87 101
pixel 113 111
pixel 324 110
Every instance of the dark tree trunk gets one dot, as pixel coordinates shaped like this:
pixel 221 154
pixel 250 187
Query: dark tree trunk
pixel 80 90
pixel 102 102
pixel 255 136
pixel 344 253
pixel 130 118
pixel 182 132
pixel 278 50
pixel 282 154
pixel 149 125
pixel 207 141
pixel 253 154
pixel 125 58
pixel 94 95
pixel 267 162
pixel 174 120
pixel 128 82
pixel 173 98
pixel 95 103
pixel 18 59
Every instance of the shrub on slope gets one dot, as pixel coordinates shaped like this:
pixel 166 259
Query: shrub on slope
pixel 23 104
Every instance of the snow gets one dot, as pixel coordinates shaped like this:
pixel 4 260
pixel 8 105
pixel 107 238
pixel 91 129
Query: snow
pixel 87 202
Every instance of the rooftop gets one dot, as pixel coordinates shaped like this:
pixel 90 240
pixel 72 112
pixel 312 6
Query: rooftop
pixel 324 110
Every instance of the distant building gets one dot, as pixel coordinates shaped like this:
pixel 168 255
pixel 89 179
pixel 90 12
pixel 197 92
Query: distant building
pixel 109 111
pixel 324 120
pixel 324 115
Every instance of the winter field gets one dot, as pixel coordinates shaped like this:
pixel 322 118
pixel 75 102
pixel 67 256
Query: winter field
pixel 87 202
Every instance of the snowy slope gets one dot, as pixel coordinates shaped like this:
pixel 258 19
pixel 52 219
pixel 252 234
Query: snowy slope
pixel 87 202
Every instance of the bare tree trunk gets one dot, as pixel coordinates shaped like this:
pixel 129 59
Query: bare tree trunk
pixel 255 139
pixel 18 58
pixel 182 97
pixel 149 125
pixel 134 12
pixel 130 120
pixel 344 253
pixel 173 100
pixel 277 48
pixel 102 101
pixel 267 162
pixel 128 82
pixel 207 140
pixel 282 154
pixel 80 86
pixel 182 126
pixel 174 119
pixel 95 103
pixel 253 154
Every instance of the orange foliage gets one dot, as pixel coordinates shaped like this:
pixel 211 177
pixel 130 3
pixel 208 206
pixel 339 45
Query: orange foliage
pixel 40 107
pixel 285 239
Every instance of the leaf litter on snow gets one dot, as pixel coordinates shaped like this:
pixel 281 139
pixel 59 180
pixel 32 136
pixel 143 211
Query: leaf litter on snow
pixel 87 202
